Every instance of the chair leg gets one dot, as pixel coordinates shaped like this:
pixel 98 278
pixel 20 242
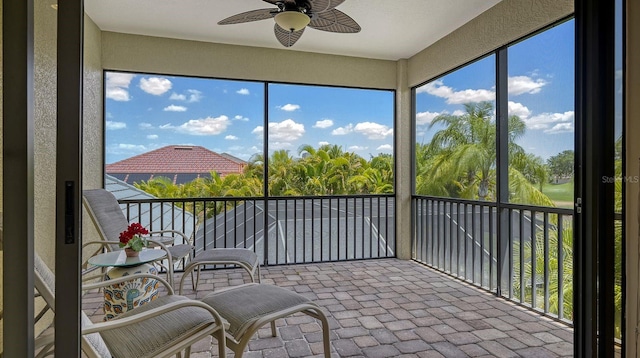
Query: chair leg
pixel 259 275
pixel 274 332
pixel 197 281
pixel 222 346
pixel 318 314
pixel 193 282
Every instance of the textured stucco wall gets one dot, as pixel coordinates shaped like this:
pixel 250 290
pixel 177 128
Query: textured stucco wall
pixel 498 26
pixel 93 123
pixel 45 89
pixel 180 57
pixel 44 146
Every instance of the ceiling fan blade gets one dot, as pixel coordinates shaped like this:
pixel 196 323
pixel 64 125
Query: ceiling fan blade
pixel 334 21
pixel 319 6
pixel 287 38
pixel 253 15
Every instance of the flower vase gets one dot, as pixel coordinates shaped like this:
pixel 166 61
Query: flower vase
pixel 131 252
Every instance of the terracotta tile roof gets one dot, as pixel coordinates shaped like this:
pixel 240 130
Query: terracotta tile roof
pixel 178 159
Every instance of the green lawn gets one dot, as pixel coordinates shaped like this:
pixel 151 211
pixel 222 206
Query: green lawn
pixel 561 194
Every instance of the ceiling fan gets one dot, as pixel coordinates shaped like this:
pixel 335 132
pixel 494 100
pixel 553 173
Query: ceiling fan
pixel 292 16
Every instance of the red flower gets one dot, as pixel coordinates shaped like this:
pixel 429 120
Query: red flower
pixel 134 230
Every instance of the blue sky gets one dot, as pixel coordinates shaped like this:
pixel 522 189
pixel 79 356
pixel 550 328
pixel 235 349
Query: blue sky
pixel 541 91
pixel 146 112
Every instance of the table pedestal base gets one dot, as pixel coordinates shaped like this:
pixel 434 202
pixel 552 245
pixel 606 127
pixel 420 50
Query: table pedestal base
pixel 122 297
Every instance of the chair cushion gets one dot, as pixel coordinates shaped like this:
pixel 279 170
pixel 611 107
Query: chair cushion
pixel 108 213
pixel 151 336
pixel 178 252
pixel 244 256
pixel 243 305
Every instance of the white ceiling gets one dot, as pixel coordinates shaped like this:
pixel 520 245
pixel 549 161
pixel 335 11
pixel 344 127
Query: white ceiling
pixel 391 29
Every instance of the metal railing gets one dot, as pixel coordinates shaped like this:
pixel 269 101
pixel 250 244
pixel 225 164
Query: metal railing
pixel 298 229
pixel 523 252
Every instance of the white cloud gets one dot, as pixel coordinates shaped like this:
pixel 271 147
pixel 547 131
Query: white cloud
pixel 323 143
pixel 152 136
pixel 243 91
pixel 325 123
pixel 343 130
pixel 560 128
pixel 117 86
pixel 193 96
pixel 132 147
pixel 518 109
pixel 525 84
pixel 290 107
pixel 145 125
pixel 241 118
pixel 231 137
pixel 155 85
pixel 458 112
pixel 516 85
pixel 236 148
pixel 286 131
pixel 174 108
pixel 425 117
pixel 373 130
pixel 280 145
pixel 548 121
pixel 438 89
pixel 177 97
pixel 385 147
pixel 355 148
pixel 202 126
pixel 111 125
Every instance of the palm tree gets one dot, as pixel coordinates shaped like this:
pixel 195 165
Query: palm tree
pixel 280 166
pixel 160 187
pixel 468 142
pixel 555 259
pixel 460 160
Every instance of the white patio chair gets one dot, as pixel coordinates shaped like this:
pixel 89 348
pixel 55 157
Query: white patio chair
pixel 164 327
pixel 110 221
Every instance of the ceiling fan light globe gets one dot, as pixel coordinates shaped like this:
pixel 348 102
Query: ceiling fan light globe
pixel 292 20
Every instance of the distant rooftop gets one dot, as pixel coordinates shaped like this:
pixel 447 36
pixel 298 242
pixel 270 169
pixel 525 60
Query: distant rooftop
pixel 179 163
pixel 156 217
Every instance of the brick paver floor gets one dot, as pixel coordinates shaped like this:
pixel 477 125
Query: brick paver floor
pixel 388 308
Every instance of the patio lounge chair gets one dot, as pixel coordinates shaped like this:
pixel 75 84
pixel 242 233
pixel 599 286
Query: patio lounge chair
pixel 110 221
pixel 163 327
pixel 250 306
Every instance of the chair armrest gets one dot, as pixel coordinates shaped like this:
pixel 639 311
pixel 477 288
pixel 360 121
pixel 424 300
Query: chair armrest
pixel 185 239
pixel 163 247
pixel 124 321
pixel 102 243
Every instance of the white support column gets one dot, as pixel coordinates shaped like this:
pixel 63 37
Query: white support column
pixel 404 162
